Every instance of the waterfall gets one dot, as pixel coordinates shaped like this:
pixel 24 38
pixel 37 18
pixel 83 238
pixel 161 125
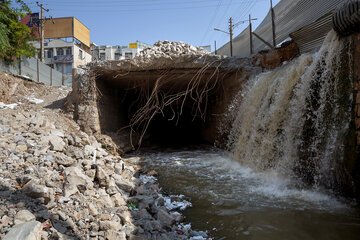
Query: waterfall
pixel 293 120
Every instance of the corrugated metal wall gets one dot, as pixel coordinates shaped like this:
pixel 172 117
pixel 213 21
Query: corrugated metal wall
pixel 30 67
pixel 290 16
pixel 311 37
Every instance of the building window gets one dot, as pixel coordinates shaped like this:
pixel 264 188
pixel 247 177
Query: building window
pixel 102 56
pixel 50 53
pixel 80 54
pixel 60 52
pixel 128 54
pixel 117 56
pixel 59 67
pixel 68 68
pixel 68 52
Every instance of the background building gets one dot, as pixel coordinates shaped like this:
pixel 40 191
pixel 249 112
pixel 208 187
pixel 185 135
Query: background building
pixel 117 52
pixel 67 45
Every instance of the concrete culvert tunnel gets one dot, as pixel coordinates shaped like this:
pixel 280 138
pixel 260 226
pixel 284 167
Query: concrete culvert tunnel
pixel 162 107
pixel 162 98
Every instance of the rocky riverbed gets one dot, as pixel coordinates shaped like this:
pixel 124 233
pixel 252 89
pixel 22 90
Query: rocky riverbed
pixel 57 182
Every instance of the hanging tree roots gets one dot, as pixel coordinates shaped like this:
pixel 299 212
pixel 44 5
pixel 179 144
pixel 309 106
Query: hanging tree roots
pixel 141 98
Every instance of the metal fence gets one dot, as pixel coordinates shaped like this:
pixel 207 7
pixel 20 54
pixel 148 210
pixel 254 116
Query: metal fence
pixel 37 71
pixel 290 16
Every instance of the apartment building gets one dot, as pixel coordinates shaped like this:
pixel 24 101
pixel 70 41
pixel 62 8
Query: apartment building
pixel 67 45
pixel 117 52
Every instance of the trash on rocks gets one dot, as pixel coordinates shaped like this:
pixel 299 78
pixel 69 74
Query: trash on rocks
pixel 8 106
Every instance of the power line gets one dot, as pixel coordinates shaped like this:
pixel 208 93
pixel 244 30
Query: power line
pixel 211 22
pixel 111 9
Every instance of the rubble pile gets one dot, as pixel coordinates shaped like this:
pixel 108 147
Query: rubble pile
pixel 57 182
pixel 172 49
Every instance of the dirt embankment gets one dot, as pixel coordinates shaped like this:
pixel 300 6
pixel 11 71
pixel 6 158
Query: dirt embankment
pixel 57 182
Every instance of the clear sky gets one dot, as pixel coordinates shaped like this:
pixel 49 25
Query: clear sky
pixel 120 22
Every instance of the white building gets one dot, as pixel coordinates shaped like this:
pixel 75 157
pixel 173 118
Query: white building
pixel 64 55
pixel 117 52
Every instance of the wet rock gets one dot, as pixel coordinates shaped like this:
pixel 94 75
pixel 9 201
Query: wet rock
pixel 152 173
pixel 24 216
pixel 136 237
pixel 26 231
pixel 165 218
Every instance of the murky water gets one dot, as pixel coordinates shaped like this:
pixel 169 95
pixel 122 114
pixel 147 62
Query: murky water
pixel 234 202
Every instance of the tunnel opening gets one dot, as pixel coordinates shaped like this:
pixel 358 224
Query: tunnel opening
pixel 173 108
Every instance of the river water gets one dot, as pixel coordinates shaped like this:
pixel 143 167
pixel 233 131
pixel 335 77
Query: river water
pixel 234 202
pixel 285 147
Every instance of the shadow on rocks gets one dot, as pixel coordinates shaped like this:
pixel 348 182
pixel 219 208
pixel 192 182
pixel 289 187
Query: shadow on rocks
pixel 58 104
pixel 12 201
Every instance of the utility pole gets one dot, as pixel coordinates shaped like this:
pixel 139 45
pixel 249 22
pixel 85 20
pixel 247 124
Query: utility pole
pixel 231 27
pixel 231 36
pixel 42 22
pixel 215 48
pixel 251 39
pixel 273 23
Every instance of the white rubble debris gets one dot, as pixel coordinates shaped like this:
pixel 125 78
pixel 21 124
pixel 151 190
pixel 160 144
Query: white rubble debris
pixel 34 100
pixel 172 49
pixel 8 106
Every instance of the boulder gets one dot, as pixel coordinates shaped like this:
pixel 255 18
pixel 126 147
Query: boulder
pixel 165 218
pixel 24 216
pixel 35 189
pixel 56 143
pixel 74 175
pixel 115 235
pixel 25 231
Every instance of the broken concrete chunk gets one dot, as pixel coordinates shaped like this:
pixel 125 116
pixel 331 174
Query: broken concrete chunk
pixel 102 177
pixel 89 151
pixel 56 143
pixel 74 175
pixel 24 216
pixel 64 160
pixel 115 235
pixel 70 189
pixel 25 231
pixel 110 225
pixel 36 190
pixel 118 200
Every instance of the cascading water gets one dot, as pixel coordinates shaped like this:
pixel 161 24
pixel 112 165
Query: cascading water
pixel 289 129
pixel 293 120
